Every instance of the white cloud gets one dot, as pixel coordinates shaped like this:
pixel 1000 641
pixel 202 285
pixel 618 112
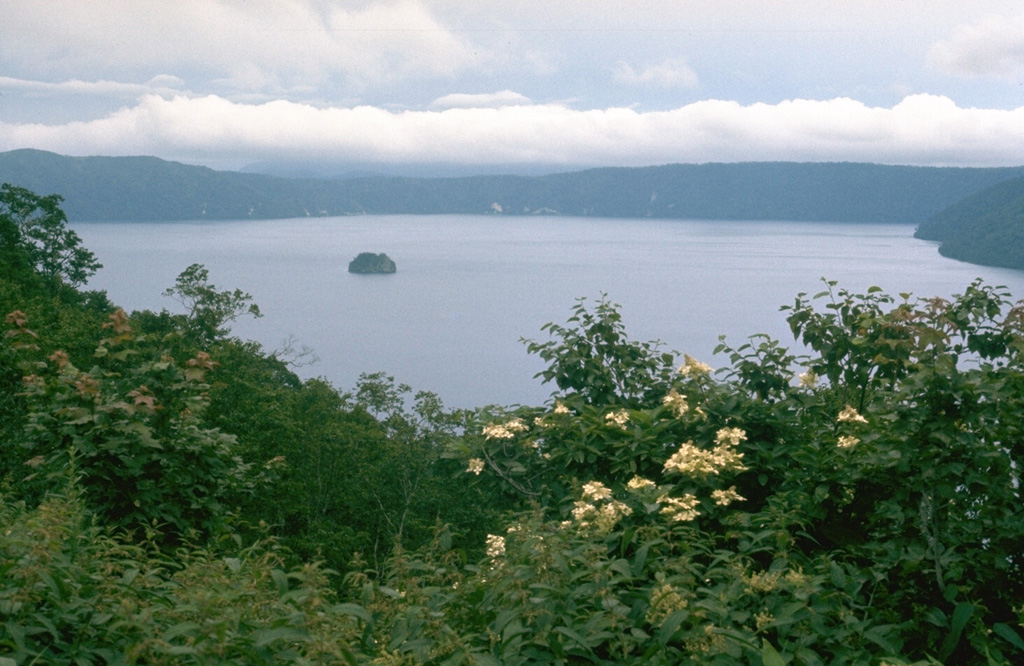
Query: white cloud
pixel 480 101
pixel 994 47
pixel 671 73
pixel 921 129
pixel 162 84
pixel 255 44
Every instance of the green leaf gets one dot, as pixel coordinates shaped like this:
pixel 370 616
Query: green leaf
pixel 1007 633
pixel 671 625
pixel 267 636
pixel 353 609
pixel 281 580
pixel 580 640
pixel 961 614
pixel 770 656
pixel 179 629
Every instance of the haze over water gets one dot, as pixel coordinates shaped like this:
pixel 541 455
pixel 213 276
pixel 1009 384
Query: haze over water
pixel 469 287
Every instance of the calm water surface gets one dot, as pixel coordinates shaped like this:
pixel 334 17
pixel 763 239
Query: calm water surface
pixel 468 288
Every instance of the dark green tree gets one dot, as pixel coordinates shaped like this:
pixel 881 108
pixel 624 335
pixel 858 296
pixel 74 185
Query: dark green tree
pixel 34 234
pixel 209 311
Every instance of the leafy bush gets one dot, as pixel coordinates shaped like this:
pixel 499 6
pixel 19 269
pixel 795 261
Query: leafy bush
pixel 70 593
pixel 132 423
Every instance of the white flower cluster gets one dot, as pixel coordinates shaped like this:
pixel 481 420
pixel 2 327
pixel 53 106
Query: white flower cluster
pixel 680 509
pixel 846 441
pixel 692 461
pixel 639 483
pixel 619 418
pixel 560 408
pixel 730 436
pixel 726 497
pixel 850 415
pixel 505 430
pixel 676 402
pixel 598 509
pixel 475 466
pixel 665 600
pixel 808 379
pixel 693 368
pixel 596 491
pixel 495 546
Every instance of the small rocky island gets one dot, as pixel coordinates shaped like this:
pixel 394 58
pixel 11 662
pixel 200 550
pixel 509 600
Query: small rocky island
pixel 368 262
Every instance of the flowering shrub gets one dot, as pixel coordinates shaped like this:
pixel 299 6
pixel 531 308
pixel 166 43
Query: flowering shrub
pixel 864 508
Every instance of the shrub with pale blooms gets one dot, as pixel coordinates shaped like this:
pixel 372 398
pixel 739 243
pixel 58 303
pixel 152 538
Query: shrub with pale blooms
pixel 505 430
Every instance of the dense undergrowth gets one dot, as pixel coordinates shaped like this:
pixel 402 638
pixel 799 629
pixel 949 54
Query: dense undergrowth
pixel 171 494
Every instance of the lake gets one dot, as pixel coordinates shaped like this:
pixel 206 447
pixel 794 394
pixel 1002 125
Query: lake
pixel 469 287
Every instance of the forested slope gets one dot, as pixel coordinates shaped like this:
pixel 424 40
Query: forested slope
pixel 147 188
pixel 985 228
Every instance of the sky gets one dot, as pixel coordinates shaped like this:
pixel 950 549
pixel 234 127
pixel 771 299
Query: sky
pixel 516 84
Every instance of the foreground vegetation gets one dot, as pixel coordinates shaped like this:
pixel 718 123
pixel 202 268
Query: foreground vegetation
pixel 171 494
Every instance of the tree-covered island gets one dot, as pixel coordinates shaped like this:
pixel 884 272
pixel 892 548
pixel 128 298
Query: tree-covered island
pixel 368 262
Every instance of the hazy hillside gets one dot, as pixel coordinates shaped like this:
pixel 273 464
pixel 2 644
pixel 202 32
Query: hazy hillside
pixel 147 188
pixel 984 228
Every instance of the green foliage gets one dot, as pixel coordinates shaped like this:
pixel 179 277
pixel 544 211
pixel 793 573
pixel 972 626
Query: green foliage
pixel 37 227
pixel 132 422
pixel 209 311
pixel 593 358
pixel 757 520
pixel 70 593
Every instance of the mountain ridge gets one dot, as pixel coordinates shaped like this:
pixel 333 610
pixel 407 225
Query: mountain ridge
pixel 146 188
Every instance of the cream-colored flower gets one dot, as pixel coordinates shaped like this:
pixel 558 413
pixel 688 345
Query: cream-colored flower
pixel 495 546
pixel 665 600
pixel 691 367
pixel 762 581
pixel 609 514
pixel 506 430
pixel 726 497
pixel 730 436
pixel 680 509
pixel 808 379
pixel 639 483
pixel 560 407
pixel 846 441
pixel 619 418
pixel 763 620
pixel 583 511
pixel 475 466
pixel 596 491
pixel 850 415
pixel 540 422
pixel 692 461
pixel 676 402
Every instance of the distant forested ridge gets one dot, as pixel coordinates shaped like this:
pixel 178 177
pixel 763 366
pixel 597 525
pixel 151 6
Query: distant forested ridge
pixel 984 228
pixel 148 188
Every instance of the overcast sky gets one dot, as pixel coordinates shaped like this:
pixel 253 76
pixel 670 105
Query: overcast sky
pixel 572 83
